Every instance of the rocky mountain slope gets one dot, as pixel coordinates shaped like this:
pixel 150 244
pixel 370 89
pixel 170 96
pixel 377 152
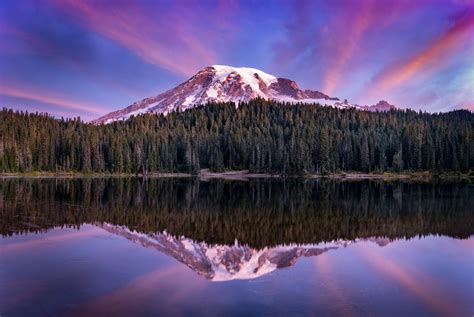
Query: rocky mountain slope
pixel 220 83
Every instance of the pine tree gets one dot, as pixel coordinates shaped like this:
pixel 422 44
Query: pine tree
pixel 324 160
pixel 364 155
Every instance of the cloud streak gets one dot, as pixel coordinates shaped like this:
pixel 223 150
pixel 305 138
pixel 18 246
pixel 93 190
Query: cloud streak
pixel 429 59
pixel 9 33
pixel 332 49
pixel 171 39
pixel 48 98
pixel 345 50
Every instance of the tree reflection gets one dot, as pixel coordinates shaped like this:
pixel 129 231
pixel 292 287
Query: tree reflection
pixel 259 212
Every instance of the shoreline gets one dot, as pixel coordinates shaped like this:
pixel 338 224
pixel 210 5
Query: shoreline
pixel 245 175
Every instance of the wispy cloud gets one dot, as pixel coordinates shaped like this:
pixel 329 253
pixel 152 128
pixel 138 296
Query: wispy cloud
pixel 9 32
pixel 330 49
pixel 48 98
pixel 173 38
pixel 428 60
pixel 359 23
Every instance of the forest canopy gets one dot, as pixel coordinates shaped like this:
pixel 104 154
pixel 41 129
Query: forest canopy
pixel 260 136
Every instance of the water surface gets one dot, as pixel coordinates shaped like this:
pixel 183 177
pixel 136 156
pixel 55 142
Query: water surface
pixel 131 246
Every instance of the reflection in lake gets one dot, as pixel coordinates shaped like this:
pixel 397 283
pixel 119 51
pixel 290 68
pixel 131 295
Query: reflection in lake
pixel 291 247
pixel 222 262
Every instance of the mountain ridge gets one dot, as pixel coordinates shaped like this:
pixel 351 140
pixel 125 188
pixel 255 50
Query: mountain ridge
pixel 221 83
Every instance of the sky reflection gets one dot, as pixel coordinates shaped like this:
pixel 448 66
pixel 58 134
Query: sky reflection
pixel 92 271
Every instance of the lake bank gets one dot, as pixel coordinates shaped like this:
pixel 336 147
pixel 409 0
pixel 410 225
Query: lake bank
pixel 245 174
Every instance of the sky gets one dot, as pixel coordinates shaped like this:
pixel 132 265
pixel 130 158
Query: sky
pixel 86 58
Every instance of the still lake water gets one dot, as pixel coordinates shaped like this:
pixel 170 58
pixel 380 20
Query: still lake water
pixel 135 247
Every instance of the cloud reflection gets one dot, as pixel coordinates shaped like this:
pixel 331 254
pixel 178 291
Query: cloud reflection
pixel 425 288
pixel 21 246
pixel 326 273
pixel 155 286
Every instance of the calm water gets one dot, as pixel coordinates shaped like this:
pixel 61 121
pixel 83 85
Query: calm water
pixel 87 247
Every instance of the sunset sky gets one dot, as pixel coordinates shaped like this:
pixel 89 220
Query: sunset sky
pixel 86 58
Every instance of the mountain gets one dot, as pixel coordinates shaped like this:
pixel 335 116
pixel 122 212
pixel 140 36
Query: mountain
pixel 228 262
pixel 381 106
pixel 221 83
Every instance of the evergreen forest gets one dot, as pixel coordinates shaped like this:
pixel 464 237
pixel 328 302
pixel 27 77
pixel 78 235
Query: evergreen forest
pixel 260 136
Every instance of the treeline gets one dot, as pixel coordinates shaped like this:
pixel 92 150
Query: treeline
pixel 259 213
pixel 261 136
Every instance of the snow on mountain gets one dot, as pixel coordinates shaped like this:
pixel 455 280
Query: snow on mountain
pixel 381 106
pixel 228 262
pixel 220 83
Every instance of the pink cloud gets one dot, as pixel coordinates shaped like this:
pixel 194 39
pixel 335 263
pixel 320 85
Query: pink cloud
pixel 349 29
pixel 171 39
pixel 333 46
pixel 11 32
pixel 49 98
pixel 345 50
pixel 431 58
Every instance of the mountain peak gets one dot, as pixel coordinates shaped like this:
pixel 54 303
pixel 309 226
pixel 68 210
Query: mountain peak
pixel 222 83
pixel 381 106
pixel 249 73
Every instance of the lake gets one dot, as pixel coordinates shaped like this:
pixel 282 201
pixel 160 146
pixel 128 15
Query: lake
pixel 265 247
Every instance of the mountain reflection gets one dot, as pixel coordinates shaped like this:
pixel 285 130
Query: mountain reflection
pixel 260 213
pixel 222 262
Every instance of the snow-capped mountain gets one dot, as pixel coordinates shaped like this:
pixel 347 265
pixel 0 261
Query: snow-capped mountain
pixel 220 83
pixel 381 106
pixel 228 262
